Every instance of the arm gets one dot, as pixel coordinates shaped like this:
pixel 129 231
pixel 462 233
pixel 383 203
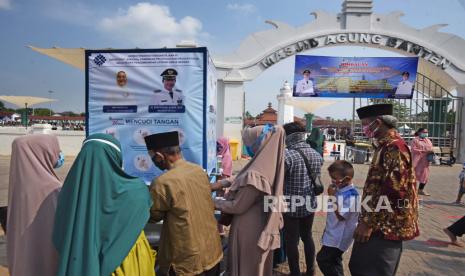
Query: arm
pixel 395 183
pixel 223 184
pixel 243 200
pixel 298 87
pixel 161 202
pixel 332 192
pixel 417 147
pixel 287 161
pixel 316 161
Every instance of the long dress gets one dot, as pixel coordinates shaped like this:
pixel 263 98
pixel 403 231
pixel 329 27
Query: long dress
pixel 100 215
pixel 420 148
pixel 244 256
pixel 254 232
pixel 32 200
pixel 139 261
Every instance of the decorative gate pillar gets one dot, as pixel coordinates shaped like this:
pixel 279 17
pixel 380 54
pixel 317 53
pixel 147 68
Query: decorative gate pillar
pixel 285 112
pixel 460 132
pixel 230 110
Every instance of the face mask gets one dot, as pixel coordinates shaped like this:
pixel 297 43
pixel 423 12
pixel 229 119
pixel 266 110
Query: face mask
pixel 159 164
pixel 250 149
pixel 61 161
pixel 368 132
pixel 338 182
pixel 423 135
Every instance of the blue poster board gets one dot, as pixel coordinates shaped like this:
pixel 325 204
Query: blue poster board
pixel 350 77
pixel 127 97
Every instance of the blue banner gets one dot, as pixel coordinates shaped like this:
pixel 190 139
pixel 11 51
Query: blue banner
pixel 355 77
pixel 135 93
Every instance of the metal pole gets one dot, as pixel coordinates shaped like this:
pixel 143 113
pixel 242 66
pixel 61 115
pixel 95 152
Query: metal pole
pixel 50 98
pixel 26 115
pixel 353 116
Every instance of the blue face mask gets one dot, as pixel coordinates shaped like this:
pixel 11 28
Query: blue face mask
pixel 266 129
pixel 423 135
pixel 61 160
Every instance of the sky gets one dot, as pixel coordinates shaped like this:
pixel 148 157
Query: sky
pixel 219 25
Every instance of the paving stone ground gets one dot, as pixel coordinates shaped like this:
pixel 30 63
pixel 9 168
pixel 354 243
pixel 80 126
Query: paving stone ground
pixel 429 254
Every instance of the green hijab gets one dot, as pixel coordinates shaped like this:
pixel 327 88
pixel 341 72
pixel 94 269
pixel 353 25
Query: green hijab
pixel 101 211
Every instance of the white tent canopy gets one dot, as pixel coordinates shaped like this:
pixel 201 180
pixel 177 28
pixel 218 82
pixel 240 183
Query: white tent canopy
pixel 70 56
pixel 309 106
pixel 22 101
pixel 405 127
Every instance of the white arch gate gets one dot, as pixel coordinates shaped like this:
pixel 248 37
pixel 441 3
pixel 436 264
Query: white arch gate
pixel 441 54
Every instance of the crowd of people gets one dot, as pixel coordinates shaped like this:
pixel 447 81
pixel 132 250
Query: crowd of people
pixel 93 223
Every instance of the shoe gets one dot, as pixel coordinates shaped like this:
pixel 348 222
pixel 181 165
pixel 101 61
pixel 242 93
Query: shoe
pixel 458 203
pixel 423 193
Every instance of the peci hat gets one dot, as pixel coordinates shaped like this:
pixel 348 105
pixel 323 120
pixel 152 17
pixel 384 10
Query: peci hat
pixel 406 73
pixel 374 110
pixel 162 140
pixel 169 74
pixel 306 71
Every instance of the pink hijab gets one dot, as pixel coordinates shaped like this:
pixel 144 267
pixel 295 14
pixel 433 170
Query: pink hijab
pixel 32 200
pixel 227 159
pixel 266 173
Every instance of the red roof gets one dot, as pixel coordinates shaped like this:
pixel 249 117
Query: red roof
pixel 268 116
pixel 6 113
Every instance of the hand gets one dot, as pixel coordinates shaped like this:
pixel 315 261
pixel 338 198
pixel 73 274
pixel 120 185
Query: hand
pixel 331 190
pixel 216 186
pixel 362 233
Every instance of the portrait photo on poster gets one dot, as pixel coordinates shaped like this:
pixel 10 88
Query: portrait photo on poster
pixel 169 98
pixel 119 97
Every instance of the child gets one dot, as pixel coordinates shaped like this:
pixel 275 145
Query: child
pixel 461 186
pixel 340 224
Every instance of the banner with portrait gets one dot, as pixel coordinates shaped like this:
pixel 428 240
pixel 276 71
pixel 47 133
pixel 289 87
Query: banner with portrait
pixel 134 93
pixel 355 77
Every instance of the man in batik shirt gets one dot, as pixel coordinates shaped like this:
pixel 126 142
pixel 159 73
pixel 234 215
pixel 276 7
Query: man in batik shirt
pixel 390 213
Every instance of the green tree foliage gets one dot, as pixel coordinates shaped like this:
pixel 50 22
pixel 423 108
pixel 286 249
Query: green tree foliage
pixel 248 115
pixel 42 112
pixel 401 111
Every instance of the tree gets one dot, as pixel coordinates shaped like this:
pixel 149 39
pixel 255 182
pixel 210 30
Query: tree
pixel 42 112
pixel 21 111
pixel 69 113
pixel 2 105
pixel 401 111
pixel 248 115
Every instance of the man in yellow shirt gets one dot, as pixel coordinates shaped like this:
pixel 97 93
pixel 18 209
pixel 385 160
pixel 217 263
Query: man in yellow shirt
pixel 190 243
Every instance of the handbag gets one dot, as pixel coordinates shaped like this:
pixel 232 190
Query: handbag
pixel 430 156
pixel 318 187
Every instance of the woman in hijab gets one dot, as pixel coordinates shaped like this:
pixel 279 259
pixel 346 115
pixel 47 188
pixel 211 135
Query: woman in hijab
pixel 421 146
pixel 101 214
pixel 255 233
pixel 222 148
pixel 32 200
